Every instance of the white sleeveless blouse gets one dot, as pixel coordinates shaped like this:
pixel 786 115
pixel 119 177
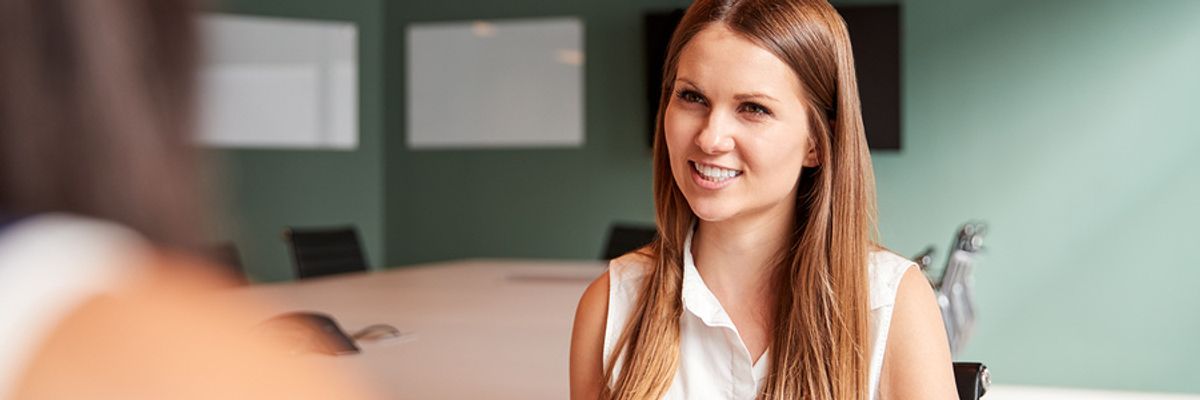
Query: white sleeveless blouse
pixel 50 265
pixel 713 361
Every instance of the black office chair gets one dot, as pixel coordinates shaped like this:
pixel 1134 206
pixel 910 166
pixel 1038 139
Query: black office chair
pixel 325 251
pixel 972 380
pixel 624 238
pixel 953 288
pixel 226 255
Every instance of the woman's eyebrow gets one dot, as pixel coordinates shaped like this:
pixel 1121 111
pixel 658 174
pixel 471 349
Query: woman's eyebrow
pixel 752 96
pixel 688 82
pixel 739 97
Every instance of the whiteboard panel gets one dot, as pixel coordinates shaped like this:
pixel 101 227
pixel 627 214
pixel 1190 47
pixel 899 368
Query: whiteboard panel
pixel 279 83
pixel 495 84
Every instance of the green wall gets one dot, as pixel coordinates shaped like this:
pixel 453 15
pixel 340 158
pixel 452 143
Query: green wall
pixel 1070 126
pixel 525 203
pixel 265 190
pixel 1066 125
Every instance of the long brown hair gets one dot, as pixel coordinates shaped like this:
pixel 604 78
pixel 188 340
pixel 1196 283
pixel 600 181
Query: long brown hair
pixel 819 341
pixel 96 112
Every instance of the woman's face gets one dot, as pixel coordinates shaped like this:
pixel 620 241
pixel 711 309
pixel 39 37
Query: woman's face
pixel 736 127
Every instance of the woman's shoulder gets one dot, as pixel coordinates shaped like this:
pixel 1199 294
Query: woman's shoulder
pixel 62 258
pixel 56 231
pixel 885 270
pixel 600 316
pixel 631 266
pixel 621 277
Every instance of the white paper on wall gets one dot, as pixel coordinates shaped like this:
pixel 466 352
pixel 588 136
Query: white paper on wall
pixel 279 83
pixel 495 84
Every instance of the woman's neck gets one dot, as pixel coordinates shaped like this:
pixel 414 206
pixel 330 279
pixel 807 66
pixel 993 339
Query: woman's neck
pixel 736 256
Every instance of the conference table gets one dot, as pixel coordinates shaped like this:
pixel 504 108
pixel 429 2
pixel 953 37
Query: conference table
pixel 472 329
pixel 476 329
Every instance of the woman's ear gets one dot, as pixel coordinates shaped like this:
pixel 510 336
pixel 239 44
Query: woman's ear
pixel 810 157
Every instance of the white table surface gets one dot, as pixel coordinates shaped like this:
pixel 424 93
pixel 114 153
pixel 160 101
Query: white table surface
pixel 494 329
pixel 479 328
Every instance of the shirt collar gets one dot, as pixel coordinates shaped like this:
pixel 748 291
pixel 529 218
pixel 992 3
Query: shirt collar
pixel 697 298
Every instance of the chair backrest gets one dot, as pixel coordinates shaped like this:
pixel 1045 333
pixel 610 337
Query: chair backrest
pixel 325 251
pixel 954 285
pixel 624 238
pixel 226 254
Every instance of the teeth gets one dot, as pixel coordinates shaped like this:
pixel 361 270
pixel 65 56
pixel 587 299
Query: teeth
pixel 715 174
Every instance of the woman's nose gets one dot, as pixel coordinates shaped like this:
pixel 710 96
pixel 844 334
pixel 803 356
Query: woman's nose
pixel 716 137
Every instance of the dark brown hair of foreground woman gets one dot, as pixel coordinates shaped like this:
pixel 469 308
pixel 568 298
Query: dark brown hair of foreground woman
pixel 96 109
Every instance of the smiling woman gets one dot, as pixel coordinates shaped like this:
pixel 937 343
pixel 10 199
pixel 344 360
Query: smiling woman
pixel 765 281
pixel 733 140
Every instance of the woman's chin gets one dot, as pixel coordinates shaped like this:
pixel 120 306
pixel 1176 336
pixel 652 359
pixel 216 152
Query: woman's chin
pixel 712 214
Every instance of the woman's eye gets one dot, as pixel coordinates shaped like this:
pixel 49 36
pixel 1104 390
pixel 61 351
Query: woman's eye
pixel 756 109
pixel 690 96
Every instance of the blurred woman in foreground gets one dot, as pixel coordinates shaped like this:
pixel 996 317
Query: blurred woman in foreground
pixel 99 204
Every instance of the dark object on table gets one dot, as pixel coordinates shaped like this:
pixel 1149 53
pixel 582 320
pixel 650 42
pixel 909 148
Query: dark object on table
pixel 309 332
